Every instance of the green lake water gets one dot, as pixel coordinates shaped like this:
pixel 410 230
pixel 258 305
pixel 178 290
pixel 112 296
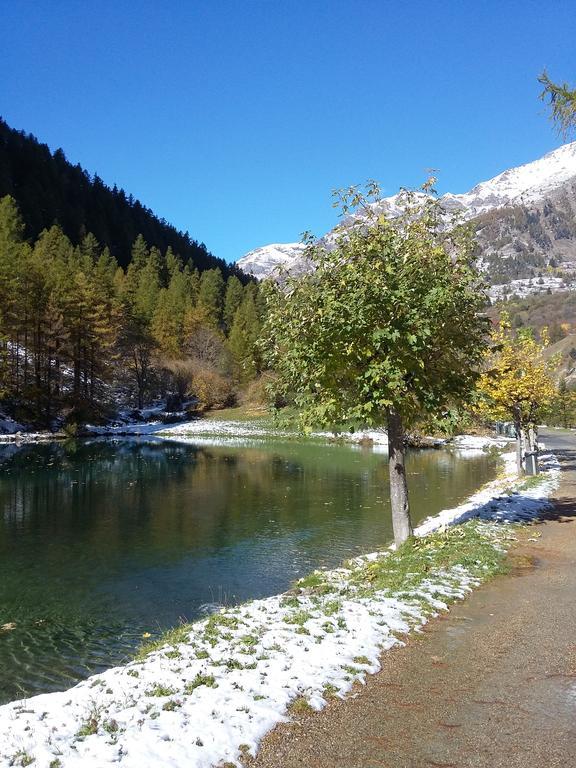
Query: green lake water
pixel 102 541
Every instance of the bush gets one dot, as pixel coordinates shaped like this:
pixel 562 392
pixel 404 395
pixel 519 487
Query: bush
pixel 212 389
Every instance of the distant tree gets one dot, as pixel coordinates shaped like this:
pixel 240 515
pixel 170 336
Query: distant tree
pixel 387 327
pixel 136 349
pixel 211 295
pixel 518 383
pixel 562 102
pixel 556 332
pixel 562 409
pixel 232 300
pixel 168 321
pixel 243 339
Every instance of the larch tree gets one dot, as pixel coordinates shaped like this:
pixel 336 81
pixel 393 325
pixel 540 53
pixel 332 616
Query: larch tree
pixel 232 300
pixel 210 295
pixel 562 410
pixel 389 325
pixel 517 384
pixel 243 338
pixel 562 102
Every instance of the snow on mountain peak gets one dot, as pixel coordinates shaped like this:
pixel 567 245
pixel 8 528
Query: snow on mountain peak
pixel 525 183
pixel 516 186
pixel 262 261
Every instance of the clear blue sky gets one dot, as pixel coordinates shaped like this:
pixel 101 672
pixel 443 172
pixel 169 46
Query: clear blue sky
pixel 234 119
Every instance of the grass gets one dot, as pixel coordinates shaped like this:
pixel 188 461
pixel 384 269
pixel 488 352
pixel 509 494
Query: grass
pixel 92 722
pixel 300 706
pixel 330 691
pixel 160 690
pixel 22 758
pixel 406 569
pixel 199 680
pixel 171 705
pixel 173 636
pixel 242 413
pixel 298 617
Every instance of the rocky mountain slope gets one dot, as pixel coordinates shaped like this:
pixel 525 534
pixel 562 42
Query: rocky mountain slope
pixel 524 219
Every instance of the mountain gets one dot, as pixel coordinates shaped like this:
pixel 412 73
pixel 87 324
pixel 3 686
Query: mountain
pixel 524 220
pixel 50 189
pixel 262 261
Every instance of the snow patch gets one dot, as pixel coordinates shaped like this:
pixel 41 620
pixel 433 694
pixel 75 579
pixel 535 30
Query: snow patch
pixel 526 183
pixel 232 677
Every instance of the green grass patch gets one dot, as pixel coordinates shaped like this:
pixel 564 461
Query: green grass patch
pixel 200 679
pixel 171 705
pixel 110 726
pixel 22 758
pixel 313 581
pixel 331 607
pixel 300 706
pixel 467 545
pixel 160 690
pixel 330 691
pixel 298 617
pixel 173 636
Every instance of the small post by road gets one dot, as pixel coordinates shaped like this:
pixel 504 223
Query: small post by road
pixel 531 462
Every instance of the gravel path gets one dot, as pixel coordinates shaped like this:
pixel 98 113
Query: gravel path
pixel 492 683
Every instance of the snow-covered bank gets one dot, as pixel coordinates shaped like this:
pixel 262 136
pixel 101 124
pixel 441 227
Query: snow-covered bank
pixel 220 430
pixel 227 680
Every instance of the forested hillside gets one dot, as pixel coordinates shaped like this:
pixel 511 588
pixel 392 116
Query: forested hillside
pixel 50 190
pixel 554 311
pixel 81 337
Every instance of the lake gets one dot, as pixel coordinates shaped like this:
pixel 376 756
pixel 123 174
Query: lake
pixel 105 540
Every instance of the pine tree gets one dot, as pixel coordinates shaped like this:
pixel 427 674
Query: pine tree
pixel 210 295
pixel 167 325
pixel 148 287
pixel 242 340
pixel 232 300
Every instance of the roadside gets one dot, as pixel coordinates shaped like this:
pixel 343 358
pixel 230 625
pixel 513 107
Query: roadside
pixel 208 692
pixel 492 683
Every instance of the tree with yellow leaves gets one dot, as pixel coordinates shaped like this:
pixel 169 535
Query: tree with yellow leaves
pixel 517 384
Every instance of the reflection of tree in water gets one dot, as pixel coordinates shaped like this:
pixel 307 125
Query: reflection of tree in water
pixel 171 496
pixel 91 531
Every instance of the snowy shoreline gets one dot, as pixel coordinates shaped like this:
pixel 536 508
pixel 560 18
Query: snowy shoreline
pixel 238 432
pixel 221 684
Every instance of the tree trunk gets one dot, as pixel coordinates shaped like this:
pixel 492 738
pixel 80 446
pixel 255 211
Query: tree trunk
pixel 398 488
pixel 518 429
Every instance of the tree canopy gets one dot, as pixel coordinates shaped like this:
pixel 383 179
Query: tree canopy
pixel 517 384
pixel 562 102
pixel 79 334
pixel 386 328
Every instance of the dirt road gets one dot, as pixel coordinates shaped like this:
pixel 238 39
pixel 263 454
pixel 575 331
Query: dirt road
pixel 490 684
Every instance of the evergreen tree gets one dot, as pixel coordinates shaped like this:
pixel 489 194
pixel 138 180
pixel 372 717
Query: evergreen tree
pixel 168 321
pixel 243 339
pixel 210 295
pixel 233 299
pixel 148 287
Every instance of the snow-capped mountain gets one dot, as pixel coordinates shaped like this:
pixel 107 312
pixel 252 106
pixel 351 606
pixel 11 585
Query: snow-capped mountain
pixel 523 185
pixel 263 261
pixel 525 220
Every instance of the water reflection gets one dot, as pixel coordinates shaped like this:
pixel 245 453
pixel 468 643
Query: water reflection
pixel 103 540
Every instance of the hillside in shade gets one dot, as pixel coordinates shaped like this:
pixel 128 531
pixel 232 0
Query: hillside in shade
pixel 49 189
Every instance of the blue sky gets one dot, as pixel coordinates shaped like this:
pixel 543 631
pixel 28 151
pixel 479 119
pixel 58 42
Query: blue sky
pixel 234 119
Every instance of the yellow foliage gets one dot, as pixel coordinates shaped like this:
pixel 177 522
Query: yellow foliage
pixel 517 384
